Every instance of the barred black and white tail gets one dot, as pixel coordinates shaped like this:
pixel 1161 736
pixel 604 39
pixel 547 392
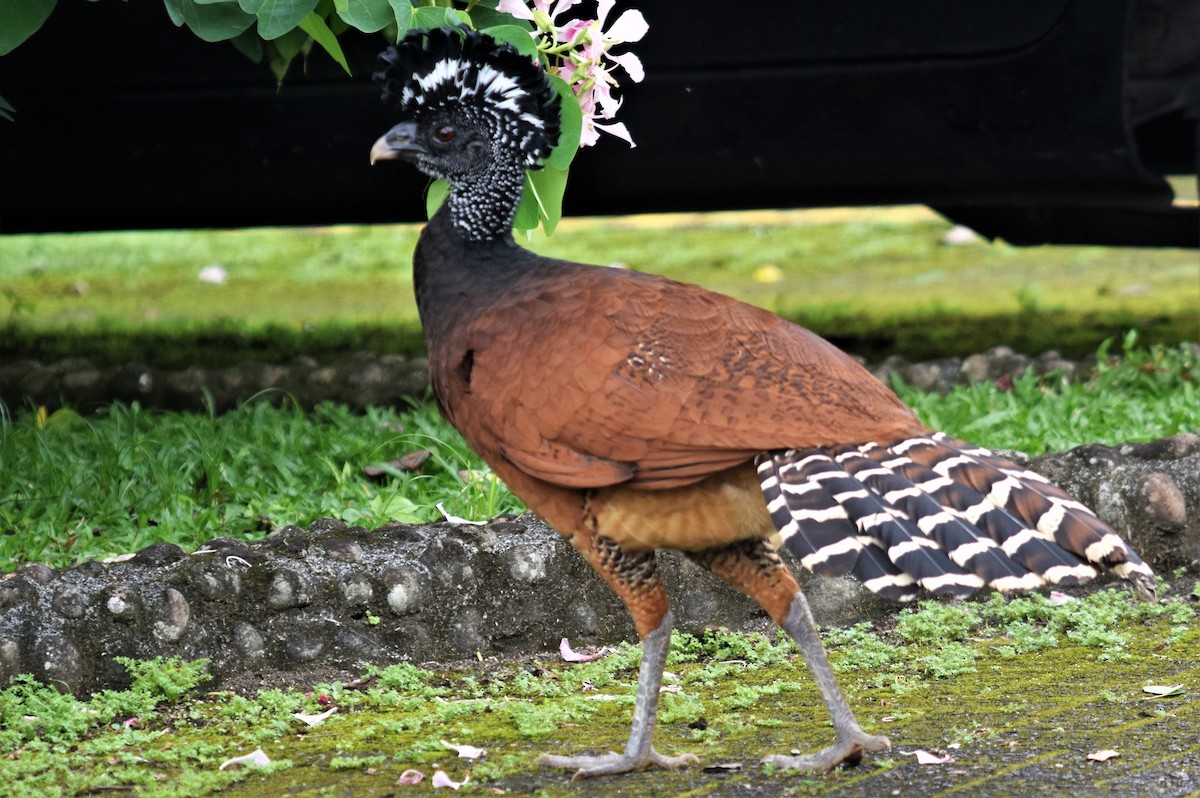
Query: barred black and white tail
pixel 937 514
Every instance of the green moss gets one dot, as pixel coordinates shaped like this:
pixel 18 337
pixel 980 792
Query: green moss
pixel 1016 705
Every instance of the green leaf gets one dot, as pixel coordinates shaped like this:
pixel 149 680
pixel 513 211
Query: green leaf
pixel 369 16
pixel 548 186
pixel 434 17
pixel 6 110
pixel 216 22
pixel 20 19
pixel 527 212
pixel 277 17
pixel 434 197
pixel 516 36
pixel 249 45
pixel 571 121
pixel 315 27
pixel 402 10
pixel 485 18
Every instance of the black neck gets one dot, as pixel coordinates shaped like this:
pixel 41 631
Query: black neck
pixel 482 205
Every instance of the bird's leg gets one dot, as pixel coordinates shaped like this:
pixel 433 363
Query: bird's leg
pixel 634 577
pixel 753 567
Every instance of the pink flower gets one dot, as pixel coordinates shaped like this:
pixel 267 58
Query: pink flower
pixel 583 48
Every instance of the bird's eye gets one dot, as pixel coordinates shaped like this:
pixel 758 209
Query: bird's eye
pixel 445 133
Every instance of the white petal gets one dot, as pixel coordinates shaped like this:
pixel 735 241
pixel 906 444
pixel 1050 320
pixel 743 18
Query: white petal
pixel 631 64
pixel 440 779
pixel 570 655
pixel 514 8
pixel 313 720
pixel 619 130
pixel 255 757
pixel 629 27
pixel 465 751
pixel 929 758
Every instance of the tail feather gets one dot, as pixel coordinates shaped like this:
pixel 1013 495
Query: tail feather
pixel 934 500
pixel 1026 546
pixel 935 512
pixel 823 536
pixel 837 521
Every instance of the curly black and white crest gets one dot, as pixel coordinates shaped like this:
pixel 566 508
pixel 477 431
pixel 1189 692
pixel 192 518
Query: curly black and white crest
pixel 448 69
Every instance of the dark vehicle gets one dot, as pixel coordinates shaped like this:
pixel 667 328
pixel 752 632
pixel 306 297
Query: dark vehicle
pixel 1034 120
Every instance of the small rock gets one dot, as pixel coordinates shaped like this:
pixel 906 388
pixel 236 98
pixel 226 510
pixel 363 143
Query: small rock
pixel 1097 454
pixel 174 613
pixel 17 592
pixel 56 662
pixel 10 661
pixel 404 586
pixel 69 602
pixel 37 572
pixel 526 563
pixel 326 525
pixel 213 581
pixel 304 648
pixel 356 590
pixel 344 550
pixel 289 589
pixel 122 602
pixel 248 641
pixel 1165 504
pixel 159 554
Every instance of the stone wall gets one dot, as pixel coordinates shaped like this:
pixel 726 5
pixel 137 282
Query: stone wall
pixel 337 596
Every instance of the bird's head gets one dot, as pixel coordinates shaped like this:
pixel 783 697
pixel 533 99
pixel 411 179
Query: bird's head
pixel 465 101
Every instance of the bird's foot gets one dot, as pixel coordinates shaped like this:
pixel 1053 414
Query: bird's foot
pixel 608 764
pixel 848 751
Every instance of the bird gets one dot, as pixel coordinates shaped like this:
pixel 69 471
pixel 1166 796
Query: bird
pixel 633 413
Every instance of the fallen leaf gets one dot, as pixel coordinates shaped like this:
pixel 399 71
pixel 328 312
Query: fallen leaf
pixel 723 767
pixel 465 751
pixel 410 776
pixel 570 655
pixel 1163 690
pixel 440 779
pixel 314 720
pixel 255 757
pixel 928 757
pixel 1057 598
pixel 1103 756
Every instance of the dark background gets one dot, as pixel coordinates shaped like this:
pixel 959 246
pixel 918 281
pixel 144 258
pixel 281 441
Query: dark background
pixel 1036 120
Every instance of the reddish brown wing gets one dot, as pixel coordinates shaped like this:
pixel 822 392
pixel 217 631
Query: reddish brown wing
pixel 660 385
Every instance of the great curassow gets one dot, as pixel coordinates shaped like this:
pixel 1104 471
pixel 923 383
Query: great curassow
pixel 634 413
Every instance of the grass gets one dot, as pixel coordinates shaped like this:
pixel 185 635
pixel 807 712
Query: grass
pixel 940 675
pixel 877 281
pixel 75 488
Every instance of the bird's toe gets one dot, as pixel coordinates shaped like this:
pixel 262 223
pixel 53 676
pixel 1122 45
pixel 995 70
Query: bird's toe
pixel 848 751
pixel 587 766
